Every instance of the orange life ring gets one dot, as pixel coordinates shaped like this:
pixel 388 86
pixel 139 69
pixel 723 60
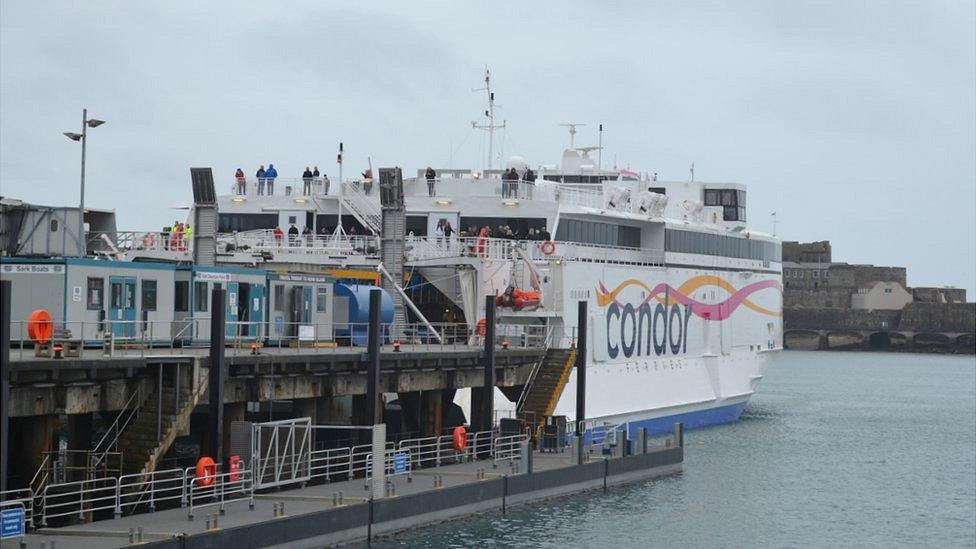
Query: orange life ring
pixel 460 438
pixel 206 471
pixel 39 326
pixel 548 247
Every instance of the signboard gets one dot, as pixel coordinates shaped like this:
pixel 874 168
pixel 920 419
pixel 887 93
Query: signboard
pixel 400 463
pixel 301 278
pixel 211 277
pixel 76 294
pixel 306 332
pixel 12 522
pixel 31 269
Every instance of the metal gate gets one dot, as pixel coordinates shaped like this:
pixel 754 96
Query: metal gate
pixel 282 452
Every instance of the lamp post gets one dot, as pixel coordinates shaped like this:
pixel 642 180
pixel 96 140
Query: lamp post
pixel 83 137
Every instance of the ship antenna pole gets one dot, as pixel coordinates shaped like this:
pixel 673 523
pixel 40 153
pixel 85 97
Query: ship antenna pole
pixel 490 115
pixel 774 223
pixel 599 152
pixel 339 231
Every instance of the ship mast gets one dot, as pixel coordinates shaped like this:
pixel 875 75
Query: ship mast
pixel 490 127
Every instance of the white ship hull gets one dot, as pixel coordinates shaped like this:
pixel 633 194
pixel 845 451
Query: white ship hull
pixel 671 344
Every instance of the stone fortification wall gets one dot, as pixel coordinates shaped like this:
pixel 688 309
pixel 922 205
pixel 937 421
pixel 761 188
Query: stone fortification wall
pixel 836 318
pixel 939 317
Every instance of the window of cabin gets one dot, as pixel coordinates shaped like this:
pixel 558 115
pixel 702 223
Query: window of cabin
pixel 96 293
pixel 148 295
pixel 200 297
pixel 321 300
pixel 181 296
pixel 279 297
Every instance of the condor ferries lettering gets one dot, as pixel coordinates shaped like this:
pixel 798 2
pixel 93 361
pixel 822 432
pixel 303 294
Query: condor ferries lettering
pixel 659 325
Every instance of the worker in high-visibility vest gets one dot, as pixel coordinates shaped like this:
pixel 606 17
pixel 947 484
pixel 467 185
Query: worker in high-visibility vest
pixel 187 236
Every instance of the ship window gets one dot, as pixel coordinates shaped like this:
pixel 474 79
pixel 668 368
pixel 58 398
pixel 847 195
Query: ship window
pixel 728 198
pixel 96 291
pixel 712 197
pixel 693 242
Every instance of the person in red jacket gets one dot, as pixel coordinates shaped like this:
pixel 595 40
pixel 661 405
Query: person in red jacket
pixel 279 235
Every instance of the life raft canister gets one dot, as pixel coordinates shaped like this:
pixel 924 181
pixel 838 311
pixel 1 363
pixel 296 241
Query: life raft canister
pixel 206 471
pixel 548 247
pixel 460 439
pixel 39 326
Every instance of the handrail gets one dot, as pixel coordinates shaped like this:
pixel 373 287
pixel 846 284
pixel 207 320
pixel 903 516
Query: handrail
pixel 132 406
pixel 535 370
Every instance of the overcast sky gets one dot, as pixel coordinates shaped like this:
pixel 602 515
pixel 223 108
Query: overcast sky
pixel 854 121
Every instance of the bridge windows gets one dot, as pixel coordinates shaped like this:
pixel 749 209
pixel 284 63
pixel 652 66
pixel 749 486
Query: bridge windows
pixel 732 201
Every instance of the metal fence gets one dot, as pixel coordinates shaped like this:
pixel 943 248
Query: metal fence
pixel 95 499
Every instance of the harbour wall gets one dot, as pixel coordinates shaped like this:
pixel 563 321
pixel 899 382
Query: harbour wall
pixel 918 327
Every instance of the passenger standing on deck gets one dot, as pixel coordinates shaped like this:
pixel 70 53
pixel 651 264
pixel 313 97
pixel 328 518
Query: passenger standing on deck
pixel 260 175
pixel 309 236
pixel 545 234
pixel 292 235
pixel 270 174
pixel 529 178
pixel 439 232
pixel 241 181
pixel 307 181
pixel 315 175
pixel 279 235
pixel 430 175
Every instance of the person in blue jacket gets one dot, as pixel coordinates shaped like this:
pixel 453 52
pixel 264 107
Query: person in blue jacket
pixel 260 175
pixel 270 174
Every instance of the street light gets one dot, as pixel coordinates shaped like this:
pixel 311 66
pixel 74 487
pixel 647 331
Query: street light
pixel 83 137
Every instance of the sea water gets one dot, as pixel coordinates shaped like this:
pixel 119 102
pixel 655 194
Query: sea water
pixel 835 449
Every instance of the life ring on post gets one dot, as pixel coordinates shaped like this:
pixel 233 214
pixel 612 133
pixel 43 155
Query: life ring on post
pixel 548 247
pixel 206 471
pixel 39 326
pixel 460 438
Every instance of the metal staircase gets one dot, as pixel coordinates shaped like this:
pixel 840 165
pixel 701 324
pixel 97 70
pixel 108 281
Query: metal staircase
pixel 160 421
pixel 546 386
pixel 393 218
pixel 365 208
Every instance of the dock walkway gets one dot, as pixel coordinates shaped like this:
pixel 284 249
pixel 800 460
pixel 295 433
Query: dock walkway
pixel 312 518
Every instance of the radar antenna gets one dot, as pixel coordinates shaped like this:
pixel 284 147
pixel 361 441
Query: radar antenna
pixel 572 132
pixel 490 126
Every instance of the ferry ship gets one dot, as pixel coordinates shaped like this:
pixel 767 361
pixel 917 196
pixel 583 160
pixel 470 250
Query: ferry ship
pixel 684 300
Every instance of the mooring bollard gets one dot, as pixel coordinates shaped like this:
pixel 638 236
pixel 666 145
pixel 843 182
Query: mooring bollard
pixel 215 522
pixel 340 497
pixel 139 534
pixel 281 507
pixel 207 527
pixel 132 535
pixel 274 510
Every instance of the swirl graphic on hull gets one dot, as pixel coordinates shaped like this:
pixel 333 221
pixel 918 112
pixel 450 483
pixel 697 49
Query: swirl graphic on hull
pixel 668 295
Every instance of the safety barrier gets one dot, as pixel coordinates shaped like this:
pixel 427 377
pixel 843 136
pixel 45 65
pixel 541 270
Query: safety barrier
pixel 139 492
pixel 149 490
pixel 23 498
pixel 219 490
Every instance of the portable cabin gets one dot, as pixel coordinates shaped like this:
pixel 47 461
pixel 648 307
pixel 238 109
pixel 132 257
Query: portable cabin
pixel 91 298
pixel 352 312
pixel 245 302
pixel 300 307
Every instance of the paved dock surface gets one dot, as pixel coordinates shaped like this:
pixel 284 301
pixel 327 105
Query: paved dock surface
pixel 167 524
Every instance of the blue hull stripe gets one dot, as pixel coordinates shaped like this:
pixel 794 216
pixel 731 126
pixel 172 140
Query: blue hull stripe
pixel 691 420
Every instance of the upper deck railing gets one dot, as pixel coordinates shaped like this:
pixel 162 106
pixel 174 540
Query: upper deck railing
pixel 499 249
